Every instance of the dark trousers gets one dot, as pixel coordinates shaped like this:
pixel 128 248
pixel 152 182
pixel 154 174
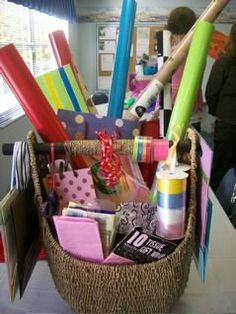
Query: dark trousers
pixel 224 156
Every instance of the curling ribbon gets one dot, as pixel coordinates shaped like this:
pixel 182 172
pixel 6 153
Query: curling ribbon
pixel 171 204
pixel 109 165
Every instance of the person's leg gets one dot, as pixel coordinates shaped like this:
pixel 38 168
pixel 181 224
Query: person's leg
pixel 224 156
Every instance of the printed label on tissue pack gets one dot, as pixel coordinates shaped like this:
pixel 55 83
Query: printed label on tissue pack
pixel 142 247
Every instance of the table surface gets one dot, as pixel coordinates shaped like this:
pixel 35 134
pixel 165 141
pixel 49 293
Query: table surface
pixel 217 295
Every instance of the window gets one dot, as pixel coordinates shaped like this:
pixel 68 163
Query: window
pixel 28 30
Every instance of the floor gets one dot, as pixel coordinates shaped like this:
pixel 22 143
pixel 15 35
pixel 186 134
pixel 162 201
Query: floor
pixel 217 295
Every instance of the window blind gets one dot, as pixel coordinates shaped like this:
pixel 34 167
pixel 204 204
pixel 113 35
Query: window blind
pixel 64 9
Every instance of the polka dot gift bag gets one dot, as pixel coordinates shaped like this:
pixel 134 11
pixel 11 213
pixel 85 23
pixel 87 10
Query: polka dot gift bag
pixel 70 185
pixel 78 122
pixel 74 185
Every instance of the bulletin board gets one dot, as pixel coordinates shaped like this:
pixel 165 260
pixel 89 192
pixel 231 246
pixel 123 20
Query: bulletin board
pixel 144 41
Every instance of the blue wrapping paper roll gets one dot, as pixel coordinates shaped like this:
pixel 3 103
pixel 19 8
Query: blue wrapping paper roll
pixel 121 65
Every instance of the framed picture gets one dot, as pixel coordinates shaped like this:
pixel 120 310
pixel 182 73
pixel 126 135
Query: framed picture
pixel 106 62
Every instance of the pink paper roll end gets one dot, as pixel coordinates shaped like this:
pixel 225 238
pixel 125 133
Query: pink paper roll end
pixel 160 148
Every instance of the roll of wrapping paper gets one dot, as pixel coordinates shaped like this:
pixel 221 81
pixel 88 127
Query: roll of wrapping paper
pixel 35 105
pixel 149 128
pixel 171 204
pixel 63 57
pixel 177 56
pixel 191 80
pixel 165 99
pixel 121 65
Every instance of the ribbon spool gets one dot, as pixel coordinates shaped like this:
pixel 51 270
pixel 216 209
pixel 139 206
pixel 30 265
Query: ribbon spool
pixel 147 150
pixel 171 204
pixel 181 167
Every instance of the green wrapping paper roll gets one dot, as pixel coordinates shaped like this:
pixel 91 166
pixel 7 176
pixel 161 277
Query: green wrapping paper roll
pixel 191 80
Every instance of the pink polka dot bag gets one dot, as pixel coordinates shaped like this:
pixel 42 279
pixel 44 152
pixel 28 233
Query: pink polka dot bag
pixel 73 185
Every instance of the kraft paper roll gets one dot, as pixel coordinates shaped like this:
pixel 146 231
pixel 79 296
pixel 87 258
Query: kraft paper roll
pixel 191 80
pixel 171 183
pixel 163 75
pixel 121 65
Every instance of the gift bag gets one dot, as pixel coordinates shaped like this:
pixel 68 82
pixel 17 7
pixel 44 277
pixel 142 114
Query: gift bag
pixel 67 183
pixel 20 234
pixel 76 122
pixel 20 227
pixel 73 185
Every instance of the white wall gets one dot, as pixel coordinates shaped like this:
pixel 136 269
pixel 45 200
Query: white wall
pixel 82 41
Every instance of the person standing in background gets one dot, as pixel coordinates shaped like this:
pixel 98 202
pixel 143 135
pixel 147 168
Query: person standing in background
pixel 221 101
pixel 179 22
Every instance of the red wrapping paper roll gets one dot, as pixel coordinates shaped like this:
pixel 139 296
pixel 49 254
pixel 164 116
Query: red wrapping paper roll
pixel 61 49
pixel 149 128
pixel 36 107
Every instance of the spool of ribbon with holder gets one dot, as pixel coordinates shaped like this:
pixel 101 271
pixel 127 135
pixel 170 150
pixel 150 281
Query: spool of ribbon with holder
pixel 171 204
pixel 92 147
pixel 142 148
pixel 146 149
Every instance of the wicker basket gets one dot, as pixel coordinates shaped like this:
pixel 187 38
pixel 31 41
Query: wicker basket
pixel 143 288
